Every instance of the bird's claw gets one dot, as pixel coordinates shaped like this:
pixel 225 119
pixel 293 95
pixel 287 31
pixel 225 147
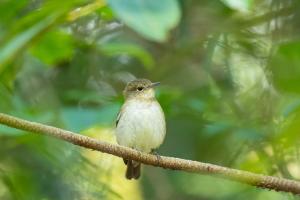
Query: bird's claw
pixel 158 158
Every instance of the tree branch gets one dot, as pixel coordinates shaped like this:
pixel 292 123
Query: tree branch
pixel 258 180
pixel 284 12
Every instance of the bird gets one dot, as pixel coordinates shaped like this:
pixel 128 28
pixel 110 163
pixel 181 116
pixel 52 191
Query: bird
pixel 140 123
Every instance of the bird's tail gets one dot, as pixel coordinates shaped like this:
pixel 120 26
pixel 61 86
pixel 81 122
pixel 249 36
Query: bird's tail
pixel 133 169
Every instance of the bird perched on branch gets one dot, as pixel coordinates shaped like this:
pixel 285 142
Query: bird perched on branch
pixel 140 123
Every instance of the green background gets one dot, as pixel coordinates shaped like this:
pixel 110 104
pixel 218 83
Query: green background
pixel 230 89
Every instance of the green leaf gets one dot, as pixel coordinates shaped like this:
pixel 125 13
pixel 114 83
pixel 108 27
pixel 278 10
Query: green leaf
pixel 290 131
pixel 54 47
pixel 153 19
pixel 239 5
pixel 31 26
pixel 9 10
pixel 13 46
pixel 285 67
pixel 105 13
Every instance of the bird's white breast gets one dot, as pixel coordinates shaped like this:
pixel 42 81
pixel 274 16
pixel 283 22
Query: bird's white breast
pixel 141 125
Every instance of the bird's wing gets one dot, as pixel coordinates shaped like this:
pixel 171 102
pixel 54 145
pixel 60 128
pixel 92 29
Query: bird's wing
pixel 118 117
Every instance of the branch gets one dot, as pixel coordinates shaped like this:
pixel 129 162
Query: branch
pixel 284 12
pixel 258 180
pixel 85 10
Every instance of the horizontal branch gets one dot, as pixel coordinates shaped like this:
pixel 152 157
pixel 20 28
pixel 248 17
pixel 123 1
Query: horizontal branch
pixel 258 180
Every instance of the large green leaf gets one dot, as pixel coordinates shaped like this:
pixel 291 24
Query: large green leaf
pixel 285 67
pixel 30 27
pixel 289 133
pixel 54 47
pixel 8 12
pixel 153 19
pixel 12 47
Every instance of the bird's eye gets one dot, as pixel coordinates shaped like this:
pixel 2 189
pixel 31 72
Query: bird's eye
pixel 140 88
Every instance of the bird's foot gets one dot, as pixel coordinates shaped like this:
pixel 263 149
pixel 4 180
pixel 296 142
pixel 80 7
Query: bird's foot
pixel 158 158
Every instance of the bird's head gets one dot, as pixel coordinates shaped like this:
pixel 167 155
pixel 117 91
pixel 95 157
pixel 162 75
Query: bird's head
pixel 141 89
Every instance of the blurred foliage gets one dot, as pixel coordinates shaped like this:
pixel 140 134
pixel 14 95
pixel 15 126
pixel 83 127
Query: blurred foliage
pixel 230 73
pixel 151 19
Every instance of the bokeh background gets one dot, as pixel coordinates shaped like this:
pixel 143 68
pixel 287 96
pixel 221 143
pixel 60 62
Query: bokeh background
pixel 230 74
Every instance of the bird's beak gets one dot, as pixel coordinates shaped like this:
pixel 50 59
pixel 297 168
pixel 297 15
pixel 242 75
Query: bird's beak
pixel 154 84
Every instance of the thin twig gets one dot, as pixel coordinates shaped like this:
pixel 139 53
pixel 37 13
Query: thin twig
pixel 262 181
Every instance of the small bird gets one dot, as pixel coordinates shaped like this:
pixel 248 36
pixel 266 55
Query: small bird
pixel 140 123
